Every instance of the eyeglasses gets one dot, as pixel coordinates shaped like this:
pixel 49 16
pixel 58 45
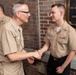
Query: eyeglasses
pixel 25 12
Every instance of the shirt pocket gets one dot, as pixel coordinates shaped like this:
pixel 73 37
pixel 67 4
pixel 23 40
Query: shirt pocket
pixel 18 40
pixel 62 39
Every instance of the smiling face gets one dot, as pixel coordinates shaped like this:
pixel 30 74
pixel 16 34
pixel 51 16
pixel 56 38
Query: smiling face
pixel 55 14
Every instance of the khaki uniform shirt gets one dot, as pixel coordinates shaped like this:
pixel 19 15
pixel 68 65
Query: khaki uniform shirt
pixel 61 42
pixel 11 40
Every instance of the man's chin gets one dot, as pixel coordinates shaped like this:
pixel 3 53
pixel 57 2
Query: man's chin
pixel 52 21
pixel 26 21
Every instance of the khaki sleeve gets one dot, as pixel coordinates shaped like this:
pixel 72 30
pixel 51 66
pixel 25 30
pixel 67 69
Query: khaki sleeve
pixel 72 40
pixel 46 40
pixel 8 42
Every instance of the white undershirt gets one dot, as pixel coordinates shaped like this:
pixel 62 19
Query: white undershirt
pixel 58 28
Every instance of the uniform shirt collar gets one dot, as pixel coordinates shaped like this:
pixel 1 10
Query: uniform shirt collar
pixel 15 26
pixel 64 27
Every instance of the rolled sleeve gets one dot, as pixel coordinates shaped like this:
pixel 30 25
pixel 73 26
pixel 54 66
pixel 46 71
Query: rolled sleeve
pixel 46 38
pixel 72 38
pixel 8 42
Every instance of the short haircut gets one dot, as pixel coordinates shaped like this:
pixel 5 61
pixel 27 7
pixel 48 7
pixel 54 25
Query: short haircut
pixel 2 8
pixel 17 7
pixel 61 6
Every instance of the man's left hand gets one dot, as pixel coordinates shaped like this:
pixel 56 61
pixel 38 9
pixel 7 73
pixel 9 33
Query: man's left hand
pixel 30 60
pixel 59 70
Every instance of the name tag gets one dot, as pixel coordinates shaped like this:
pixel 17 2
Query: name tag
pixel 50 34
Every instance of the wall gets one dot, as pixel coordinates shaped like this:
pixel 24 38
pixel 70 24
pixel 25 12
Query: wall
pixel 31 29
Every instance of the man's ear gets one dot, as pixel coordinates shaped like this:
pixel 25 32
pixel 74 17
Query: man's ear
pixel 18 14
pixel 61 12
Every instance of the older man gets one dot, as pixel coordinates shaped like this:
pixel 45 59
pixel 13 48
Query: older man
pixel 12 44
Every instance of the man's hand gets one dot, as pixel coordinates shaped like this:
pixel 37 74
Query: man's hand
pixel 37 55
pixel 59 69
pixel 30 60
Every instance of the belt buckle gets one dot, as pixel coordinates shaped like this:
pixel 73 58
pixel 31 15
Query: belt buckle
pixel 55 59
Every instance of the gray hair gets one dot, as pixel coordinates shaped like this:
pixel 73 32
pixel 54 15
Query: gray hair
pixel 16 8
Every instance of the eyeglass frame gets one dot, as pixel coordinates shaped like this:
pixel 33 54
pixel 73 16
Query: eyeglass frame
pixel 25 12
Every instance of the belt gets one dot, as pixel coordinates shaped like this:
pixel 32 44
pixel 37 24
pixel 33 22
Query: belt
pixel 55 59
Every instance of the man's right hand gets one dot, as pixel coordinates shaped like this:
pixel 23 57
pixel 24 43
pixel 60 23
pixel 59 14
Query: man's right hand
pixel 37 55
